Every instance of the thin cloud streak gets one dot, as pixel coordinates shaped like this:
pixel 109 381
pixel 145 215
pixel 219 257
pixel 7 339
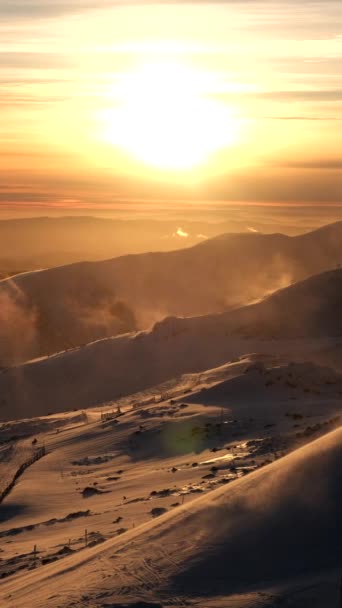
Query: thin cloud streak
pixel 33 9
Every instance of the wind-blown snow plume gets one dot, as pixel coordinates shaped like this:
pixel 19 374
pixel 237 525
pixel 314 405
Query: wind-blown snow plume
pixel 18 328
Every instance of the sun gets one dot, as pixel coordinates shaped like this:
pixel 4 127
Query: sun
pixel 165 117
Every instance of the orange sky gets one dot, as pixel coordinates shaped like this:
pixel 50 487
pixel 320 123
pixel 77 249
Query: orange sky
pixel 104 102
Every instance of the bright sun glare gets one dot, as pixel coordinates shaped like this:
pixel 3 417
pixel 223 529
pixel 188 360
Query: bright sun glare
pixel 164 117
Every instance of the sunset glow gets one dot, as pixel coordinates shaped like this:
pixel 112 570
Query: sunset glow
pixel 165 118
pixel 101 101
pixel 170 303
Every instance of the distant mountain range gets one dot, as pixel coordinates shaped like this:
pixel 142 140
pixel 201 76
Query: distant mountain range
pixel 44 242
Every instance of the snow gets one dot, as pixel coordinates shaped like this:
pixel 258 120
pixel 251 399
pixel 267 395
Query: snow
pixel 203 467
pixel 196 463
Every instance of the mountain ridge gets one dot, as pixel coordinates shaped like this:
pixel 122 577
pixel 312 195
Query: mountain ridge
pixel 80 302
pixel 110 368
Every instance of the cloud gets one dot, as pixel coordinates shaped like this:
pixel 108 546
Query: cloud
pixel 282 181
pixel 301 118
pixel 251 229
pixel 33 9
pixel 11 100
pixel 181 233
pixel 325 95
pixel 323 164
pixel 30 59
pixel 301 95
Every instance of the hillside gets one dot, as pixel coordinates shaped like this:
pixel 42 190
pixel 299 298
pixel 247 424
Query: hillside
pixel 78 303
pixel 270 537
pixel 298 322
pixel 263 384
pixel 280 523
pixel 308 309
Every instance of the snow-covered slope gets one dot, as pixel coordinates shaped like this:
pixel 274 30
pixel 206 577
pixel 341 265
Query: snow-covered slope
pixel 309 308
pixel 303 318
pixel 260 541
pixel 296 381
